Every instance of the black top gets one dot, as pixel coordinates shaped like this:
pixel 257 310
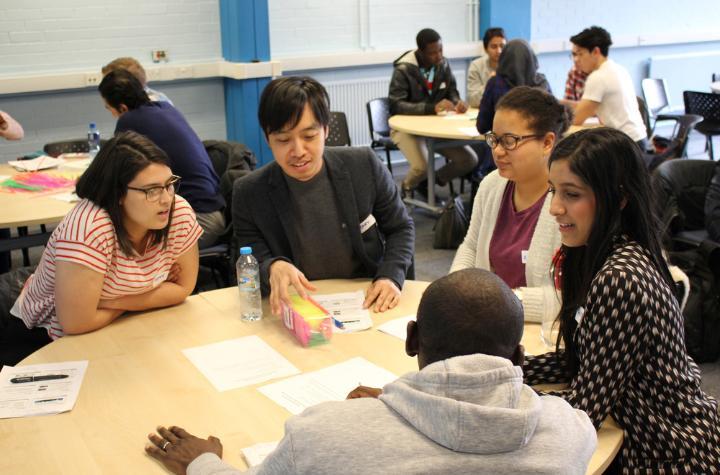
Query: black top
pixel 634 366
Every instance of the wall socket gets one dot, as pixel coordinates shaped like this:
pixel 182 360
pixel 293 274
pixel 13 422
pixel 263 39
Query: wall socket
pixel 93 79
pixel 158 55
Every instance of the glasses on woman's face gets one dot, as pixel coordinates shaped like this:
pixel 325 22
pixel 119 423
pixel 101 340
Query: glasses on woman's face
pixel 508 141
pixel 153 193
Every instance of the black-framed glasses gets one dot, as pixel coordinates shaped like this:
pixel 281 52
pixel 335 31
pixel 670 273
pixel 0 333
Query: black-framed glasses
pixel 508 141
pixel 153 193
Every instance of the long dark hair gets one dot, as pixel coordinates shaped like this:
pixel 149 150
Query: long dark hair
pixel 611 164
pixel 106 180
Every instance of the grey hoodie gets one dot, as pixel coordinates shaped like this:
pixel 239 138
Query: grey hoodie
pixel 470 414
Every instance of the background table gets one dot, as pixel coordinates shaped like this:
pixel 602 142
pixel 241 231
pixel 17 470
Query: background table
pixel 439 132
pixel 138 378
pixel 29 209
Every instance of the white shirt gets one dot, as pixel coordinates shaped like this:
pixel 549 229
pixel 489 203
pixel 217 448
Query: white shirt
pixel 611 86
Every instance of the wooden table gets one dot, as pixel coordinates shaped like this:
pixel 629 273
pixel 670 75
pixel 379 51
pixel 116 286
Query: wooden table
pixel 138 378
pixel 29 209
pixel 439 132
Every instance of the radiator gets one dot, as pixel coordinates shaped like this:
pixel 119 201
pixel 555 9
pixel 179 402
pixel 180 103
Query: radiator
pixel 351 96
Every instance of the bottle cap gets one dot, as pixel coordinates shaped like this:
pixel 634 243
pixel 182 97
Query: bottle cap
pixel 244 251
pixel 92 125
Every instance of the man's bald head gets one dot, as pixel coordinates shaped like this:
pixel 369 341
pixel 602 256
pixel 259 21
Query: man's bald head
pixel 467 312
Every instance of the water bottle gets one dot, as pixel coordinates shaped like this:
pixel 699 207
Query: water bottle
pixel 248 278
pixel 93 140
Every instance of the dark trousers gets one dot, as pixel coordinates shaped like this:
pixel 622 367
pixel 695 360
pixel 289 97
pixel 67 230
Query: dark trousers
pixel 17 342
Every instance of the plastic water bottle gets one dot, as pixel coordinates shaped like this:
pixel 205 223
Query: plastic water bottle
pixel 93 140
pixel 248 278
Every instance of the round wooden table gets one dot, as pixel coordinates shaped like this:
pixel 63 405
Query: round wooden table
pixel 138 378
pixel 439 131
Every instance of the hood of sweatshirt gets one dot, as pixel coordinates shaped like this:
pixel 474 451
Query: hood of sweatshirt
pixel 474 404
pixel 407 57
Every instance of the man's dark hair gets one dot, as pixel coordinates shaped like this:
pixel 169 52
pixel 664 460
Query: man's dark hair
pixel 491 33
pixel 591 37
pixel 283 101
pixel 467 312
pixel 122 87
pixel 105 182
pixel 425 37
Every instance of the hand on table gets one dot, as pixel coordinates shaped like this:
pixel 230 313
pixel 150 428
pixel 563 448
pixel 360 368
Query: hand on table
pixel 383 293
pixel 461 107
pixel 444 106
pixel 364 391
pixel 282 275
pixel 175 448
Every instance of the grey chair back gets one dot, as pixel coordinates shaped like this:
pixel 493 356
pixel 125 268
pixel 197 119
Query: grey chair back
pixel 655 94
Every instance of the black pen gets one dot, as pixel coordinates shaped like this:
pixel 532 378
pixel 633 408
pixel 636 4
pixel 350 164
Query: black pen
pixel 32 379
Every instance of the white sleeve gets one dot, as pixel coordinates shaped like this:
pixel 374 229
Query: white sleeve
pixel 594 88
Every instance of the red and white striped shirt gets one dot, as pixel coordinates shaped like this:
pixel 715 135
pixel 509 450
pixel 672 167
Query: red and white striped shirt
pixel 86 236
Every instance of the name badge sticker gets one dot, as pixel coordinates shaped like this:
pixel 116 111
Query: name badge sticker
pixel 524 256
pixel 159 279
pixel 367 223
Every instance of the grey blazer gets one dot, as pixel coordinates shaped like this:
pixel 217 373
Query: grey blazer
pixel 262 216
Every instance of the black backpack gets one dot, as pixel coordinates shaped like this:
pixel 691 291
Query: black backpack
pixel 451 226
pixel 702 311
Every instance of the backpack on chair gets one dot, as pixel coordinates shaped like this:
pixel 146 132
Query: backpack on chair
pixel 451 226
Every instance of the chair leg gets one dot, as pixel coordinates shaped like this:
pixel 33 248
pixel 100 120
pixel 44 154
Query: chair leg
pixel 389 163
pixel 23 231
pixel 710 147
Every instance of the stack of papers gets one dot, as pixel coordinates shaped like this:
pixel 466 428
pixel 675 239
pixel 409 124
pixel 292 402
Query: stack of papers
pixel 40 389
pixel 40 163
pixel 328 384
pixel 347 308
pixel 240 362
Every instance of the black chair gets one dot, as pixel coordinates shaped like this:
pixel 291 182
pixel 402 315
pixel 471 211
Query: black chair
pixel 54 149
pixel 230 160
pixel 707 105
pixel 378 111
pixel 645 116
pixel 657 100
pixel 680 187
pixel 338 132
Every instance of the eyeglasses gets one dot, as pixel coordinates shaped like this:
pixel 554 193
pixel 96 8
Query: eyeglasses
pixel 153 193
pixel 508 141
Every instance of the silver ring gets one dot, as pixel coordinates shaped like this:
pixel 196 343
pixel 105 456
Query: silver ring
pixel 167 442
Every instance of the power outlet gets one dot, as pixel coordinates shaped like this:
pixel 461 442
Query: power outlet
pixel 158 55
pixel 93 79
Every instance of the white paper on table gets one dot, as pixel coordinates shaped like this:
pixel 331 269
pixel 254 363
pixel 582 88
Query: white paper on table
pixel 240 362
pixel 3 178
pixel 346 307
pixel 464 116
pixel 39 163
pixel 80 164
pixel 255 454
pixel 328 384
pixel 397 327
pixel 66 197
pixel 469 131
pixel 35 398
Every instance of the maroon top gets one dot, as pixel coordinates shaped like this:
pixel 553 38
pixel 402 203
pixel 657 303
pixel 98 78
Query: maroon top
pixel 511 238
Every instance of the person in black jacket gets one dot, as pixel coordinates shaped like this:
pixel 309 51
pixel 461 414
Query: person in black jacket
pixel 423 84
pixel 316 212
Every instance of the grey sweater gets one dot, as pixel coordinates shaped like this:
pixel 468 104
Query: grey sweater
pixel 470 414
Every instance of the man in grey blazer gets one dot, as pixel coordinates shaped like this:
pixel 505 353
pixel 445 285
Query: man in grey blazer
pixel 317 213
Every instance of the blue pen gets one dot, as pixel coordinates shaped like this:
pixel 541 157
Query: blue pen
pixel 338 323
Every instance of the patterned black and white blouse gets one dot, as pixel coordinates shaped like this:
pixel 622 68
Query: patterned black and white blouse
pixel 633 366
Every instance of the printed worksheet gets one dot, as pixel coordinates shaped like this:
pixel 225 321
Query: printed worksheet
pixel 328 384
pixel 239 362
pixel 346 308
pixel 40 389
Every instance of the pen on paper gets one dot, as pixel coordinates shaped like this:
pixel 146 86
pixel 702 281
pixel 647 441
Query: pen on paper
pixel 49 400
pixel 32 379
